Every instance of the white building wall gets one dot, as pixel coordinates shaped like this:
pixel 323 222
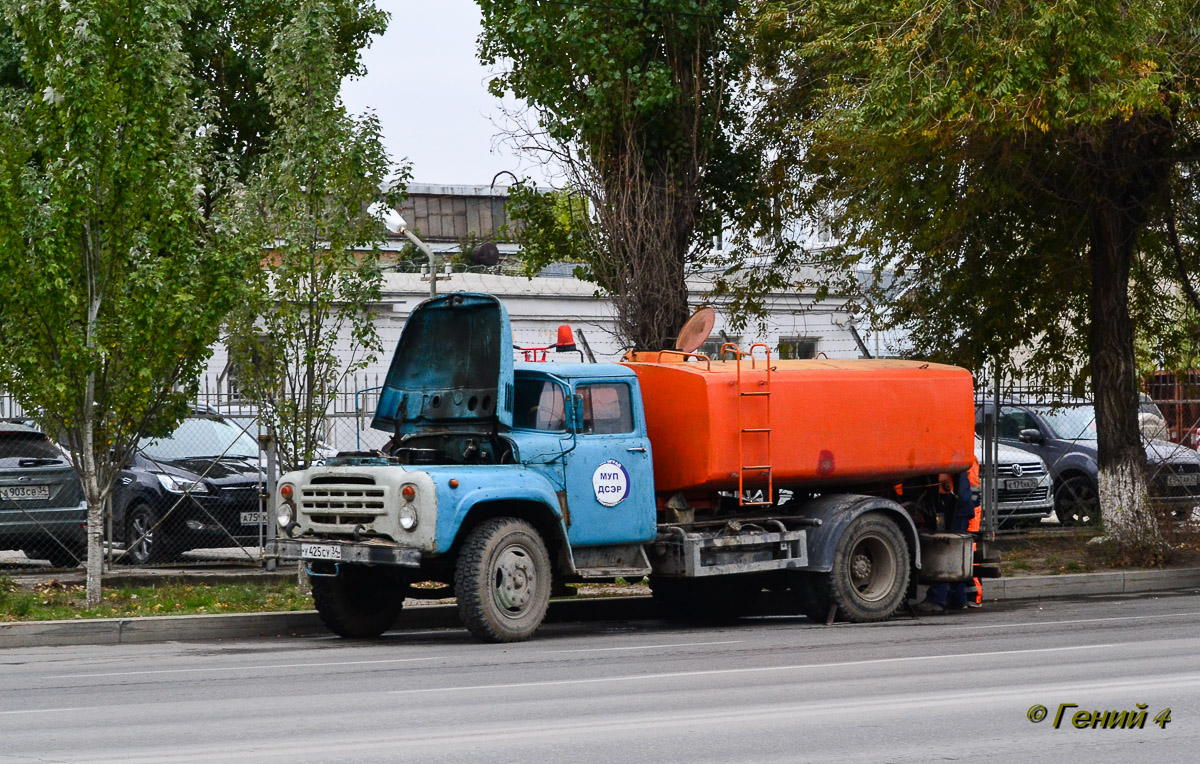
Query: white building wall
pixel 538 306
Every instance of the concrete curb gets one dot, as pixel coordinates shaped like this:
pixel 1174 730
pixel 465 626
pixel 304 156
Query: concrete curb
pixel 418 616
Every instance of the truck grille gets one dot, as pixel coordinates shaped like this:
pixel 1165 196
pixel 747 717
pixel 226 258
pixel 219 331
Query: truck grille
pixel 353 500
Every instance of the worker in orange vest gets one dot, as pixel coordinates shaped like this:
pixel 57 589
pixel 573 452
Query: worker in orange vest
pixel 966 517
pixel 974 591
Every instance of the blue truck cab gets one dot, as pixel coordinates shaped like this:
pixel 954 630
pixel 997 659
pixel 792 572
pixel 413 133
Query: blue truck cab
pixel 554 455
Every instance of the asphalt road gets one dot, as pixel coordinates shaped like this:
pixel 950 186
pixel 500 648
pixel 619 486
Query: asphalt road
pixel 951 688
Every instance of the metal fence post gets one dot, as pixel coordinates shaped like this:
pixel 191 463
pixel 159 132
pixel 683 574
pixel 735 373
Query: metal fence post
pixel 267 442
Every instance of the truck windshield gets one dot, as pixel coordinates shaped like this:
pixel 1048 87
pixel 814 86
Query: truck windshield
pixel 538 405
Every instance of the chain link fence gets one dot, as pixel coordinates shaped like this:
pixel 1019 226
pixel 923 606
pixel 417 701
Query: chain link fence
pixel 195 497
pixel 1038 446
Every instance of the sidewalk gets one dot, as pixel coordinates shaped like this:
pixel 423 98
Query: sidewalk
pixel 419 615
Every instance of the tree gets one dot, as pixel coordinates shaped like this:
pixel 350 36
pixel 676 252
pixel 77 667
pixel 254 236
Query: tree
pixel 229 47
pixel 1015 164
pixel 116 283
pixel 643 122
pixel 321 171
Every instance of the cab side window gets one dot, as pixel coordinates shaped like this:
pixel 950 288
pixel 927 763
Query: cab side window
pixel 538 405
pixel 607 408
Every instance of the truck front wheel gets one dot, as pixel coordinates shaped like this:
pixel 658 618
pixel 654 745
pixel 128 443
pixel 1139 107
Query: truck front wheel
pixel 359 602
pixel 869 578
pixel 503 581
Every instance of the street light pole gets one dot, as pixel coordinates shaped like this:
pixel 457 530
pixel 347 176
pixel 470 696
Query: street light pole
pixel 395 223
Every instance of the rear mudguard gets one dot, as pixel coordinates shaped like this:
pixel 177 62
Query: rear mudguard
pixel 837 511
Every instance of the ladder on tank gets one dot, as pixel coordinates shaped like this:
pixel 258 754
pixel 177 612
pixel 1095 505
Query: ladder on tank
pixel 745 433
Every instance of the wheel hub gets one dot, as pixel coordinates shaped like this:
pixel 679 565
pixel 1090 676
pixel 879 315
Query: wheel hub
pixel 860 569
pixel 515 580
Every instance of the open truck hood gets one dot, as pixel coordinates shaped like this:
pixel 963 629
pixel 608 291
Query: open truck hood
pixel 453 368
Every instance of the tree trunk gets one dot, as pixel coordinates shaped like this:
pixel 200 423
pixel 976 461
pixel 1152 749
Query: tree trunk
pixel 95 513
pixel 1124 505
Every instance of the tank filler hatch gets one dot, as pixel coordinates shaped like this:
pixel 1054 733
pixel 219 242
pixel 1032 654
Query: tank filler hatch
pixel 696 330
pixel 452 370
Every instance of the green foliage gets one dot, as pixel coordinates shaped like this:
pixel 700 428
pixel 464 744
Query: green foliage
pixel 965 147
pixel 10 59
pixel 116 281
pixel 229 46
pixel 53 600
pixel 554 227
pixel 639 105
pixel 321 170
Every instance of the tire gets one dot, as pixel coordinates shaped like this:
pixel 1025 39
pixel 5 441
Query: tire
pixel 715 600
pixel 1077 502
pixel 869 577
pixel 359 602
pixel 503 580
pixel 146 541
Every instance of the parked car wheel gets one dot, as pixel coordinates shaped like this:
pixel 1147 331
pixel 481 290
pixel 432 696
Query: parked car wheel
pixel 1077 502
pixel 146 541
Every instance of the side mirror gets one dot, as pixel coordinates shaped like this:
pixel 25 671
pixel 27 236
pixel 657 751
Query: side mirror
pixel 1031 436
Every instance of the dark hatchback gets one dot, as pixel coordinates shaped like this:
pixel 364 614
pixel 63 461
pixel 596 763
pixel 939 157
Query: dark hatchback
pixel 198 488
pixel 42 508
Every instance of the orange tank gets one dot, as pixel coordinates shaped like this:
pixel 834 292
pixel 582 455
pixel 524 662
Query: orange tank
pixel 819 423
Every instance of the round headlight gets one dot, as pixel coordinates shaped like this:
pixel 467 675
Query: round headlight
pixel 408 517
pixel 285 514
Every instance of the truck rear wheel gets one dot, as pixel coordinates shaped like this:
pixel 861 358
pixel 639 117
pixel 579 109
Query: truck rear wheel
pixel 359 602
pixel 869 578
pixel 503 581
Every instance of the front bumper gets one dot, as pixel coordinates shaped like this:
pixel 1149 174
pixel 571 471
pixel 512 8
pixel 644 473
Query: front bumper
pixel 373 552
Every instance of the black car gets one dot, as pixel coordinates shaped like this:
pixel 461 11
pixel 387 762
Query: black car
pixel 198 488
pixel 1064 435
pixel 42 507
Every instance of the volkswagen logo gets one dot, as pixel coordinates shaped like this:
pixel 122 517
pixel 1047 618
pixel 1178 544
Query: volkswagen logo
pixel 1016 469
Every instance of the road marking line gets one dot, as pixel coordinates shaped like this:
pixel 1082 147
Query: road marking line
pixel 647 647
pixel 45 710
pixel 244 668
pixel 1077 620
pixel 752 670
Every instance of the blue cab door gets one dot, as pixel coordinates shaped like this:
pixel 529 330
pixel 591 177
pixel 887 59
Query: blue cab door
pixel 609 474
